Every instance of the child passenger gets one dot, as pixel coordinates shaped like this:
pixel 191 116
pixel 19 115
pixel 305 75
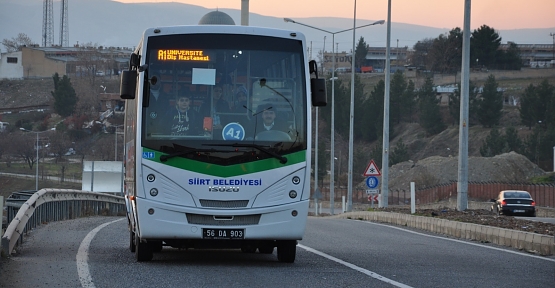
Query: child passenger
pixel 183 120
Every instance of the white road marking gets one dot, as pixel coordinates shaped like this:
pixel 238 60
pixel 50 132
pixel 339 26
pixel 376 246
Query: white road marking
pixel 354 267
pixel 461 241
pixel 83 256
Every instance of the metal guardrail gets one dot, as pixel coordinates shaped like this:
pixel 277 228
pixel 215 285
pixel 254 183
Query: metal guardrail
pixel 46 205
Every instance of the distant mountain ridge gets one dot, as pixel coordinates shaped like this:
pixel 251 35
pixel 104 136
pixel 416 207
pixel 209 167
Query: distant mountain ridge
pixel 109 23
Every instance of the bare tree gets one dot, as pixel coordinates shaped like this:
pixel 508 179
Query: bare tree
pixel 104 148
pixel 23 146
pixel 16 43
pixel 6 147
pixel 59 145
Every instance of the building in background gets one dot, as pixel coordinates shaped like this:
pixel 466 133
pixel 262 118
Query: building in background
pixel 43 62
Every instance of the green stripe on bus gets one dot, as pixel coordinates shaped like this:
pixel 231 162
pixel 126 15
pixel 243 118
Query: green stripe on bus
pixel 228 171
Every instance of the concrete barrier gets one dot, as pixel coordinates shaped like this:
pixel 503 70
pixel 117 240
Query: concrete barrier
pixel 526 241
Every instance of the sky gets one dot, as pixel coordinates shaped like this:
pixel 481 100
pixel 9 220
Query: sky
pixel 500 14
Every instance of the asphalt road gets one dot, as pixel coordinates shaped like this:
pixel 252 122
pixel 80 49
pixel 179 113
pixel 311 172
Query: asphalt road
pixel 93 252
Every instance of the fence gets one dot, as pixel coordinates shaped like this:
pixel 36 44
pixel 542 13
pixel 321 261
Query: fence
pixel 46 205
pixel 543 194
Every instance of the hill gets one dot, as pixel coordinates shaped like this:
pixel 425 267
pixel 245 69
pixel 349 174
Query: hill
pixel 98 21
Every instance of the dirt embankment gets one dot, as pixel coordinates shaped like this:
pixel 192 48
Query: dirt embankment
pixel 508 167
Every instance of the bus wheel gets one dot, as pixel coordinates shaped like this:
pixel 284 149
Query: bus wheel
pixel 132 241
pixel 286 251
pixel 155 246
pixel 142 250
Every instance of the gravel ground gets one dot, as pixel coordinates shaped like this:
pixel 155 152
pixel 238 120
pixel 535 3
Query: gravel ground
pixel 478 216
pixel 483 217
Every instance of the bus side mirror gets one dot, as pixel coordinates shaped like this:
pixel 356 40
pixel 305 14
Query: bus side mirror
pixel 128 84
pixel 318 91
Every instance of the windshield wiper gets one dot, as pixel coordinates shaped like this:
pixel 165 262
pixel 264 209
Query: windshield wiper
pixel 281 159
pixel 165 158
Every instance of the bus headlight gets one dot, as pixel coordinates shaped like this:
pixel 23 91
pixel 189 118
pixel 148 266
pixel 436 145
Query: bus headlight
pixel 153 192
pixel 150 178
pixel 296 180
pixel 293 194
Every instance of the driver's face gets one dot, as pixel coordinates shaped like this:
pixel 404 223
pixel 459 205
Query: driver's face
pixel 268 117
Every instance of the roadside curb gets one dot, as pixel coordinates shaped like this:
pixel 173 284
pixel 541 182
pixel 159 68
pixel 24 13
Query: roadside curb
pixel 526 241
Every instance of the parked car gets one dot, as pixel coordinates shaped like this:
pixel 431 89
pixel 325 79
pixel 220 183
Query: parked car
pixel 514 202
pixel 70 152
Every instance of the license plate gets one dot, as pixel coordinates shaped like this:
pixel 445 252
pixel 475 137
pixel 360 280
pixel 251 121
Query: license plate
pixel 518 211
pixel 223 233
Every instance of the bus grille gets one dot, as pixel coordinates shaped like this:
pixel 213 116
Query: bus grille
pixel 224 204
pixel 238 220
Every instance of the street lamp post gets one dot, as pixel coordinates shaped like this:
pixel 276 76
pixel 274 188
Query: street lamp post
pixel 36 148
pixel 332 145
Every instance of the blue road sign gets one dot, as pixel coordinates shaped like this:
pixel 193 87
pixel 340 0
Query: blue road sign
pixel 372 182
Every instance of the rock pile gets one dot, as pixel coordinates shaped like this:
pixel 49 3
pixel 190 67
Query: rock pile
pixel 508 167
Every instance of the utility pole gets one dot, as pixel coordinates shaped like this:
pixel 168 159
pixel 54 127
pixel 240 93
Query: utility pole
pixel 462 183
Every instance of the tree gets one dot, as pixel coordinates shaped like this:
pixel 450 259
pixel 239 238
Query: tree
pixel 59 145
pixel 510 59
pixel 361 131
pixel 446 52
pixel 323 160
pixel 23 146
pixel 491 105
pixel 398 88
pixel 361 51
pixel 514 143
pixel 494 144
pixel 429 113
pixel 528 103
pixel 408 103
pixel 342 106
pixel 400 153
pixel 15 44
pixel 484 45
pixel 64 95
pixel 374 112
pixel 376 152
pixel 537 105
pixel 421 53
pixel 455 103
pixel 545 109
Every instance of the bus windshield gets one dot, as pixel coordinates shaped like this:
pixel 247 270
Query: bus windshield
pixel 224 95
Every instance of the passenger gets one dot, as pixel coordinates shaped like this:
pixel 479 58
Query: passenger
pixel 182 120
pixel 214 108
pixel 241 104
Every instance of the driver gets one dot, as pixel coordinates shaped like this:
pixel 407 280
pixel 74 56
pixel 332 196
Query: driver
pixel 267 120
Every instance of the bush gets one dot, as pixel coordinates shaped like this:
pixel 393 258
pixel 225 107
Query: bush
pixel 545 179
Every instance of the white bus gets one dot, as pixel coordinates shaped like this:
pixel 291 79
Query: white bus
pixel 202 174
